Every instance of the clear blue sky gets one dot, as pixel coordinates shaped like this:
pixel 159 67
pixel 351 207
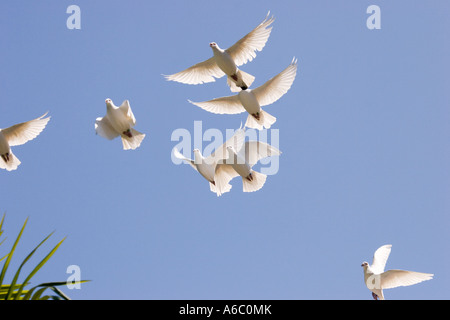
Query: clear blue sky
pixel 364 132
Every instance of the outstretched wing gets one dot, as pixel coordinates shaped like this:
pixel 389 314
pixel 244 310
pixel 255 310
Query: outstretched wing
pixel 199 73
pixel 245 49
pixel 224 105
pixel 253 151
pixel 276 87
pixel 26 131
pixel 236 141
pixel 401 278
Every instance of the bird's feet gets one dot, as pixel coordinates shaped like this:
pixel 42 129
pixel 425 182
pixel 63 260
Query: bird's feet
pixel 257 116
pixel 128 133
pixel 374 296
pixel 250 177
pixel 5 157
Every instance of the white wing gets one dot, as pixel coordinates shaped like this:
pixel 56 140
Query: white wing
pixel 178 155
pixel 26 131
pixel 126 109
pixel 380 258
pixel 253 151
pixel 276 87
pixel 236 141
pixel 400 278
pixel 104 128
pixel 202 72
pixel 245 49
pixel 224 105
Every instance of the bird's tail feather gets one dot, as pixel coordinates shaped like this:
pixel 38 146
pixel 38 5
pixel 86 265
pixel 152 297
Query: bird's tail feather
pixel 245 80
pixel 266 120
pixel 256 183
pixel 12 163
pixel 219 190
pixel 133 142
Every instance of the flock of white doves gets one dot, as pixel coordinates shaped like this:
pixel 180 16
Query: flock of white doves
pixel 235 157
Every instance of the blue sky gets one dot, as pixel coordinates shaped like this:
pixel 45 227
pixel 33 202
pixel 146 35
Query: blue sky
pixel 364 134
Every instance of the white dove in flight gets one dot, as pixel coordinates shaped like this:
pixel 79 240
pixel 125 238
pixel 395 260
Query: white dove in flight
pixel 206 165
pixel 17 135
pixel 240 163
pixel 119 121
pixel 377 279
pixel 252 100
pixel 226 62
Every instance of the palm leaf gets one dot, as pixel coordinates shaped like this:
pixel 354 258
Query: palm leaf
pixel 18 291
pixel 40 264
pixel 16 276
pixel 10 254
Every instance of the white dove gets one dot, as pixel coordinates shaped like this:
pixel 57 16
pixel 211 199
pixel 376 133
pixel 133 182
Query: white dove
pixel 206 166
pixel 119 121
pixel 226 62
pixel 377 279
pixel 252 100
pixel 240 164
pixel 18 135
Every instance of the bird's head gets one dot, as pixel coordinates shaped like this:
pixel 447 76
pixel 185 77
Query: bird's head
pixel 213 45
pixel 198 158
pixel 108 101
pixel 231 152
pixel 364 264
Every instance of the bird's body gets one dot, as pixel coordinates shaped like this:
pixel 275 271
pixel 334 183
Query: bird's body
pixel 4 146
pixel 252 100
pixel 17 135
pixel 223 60
pixel 118 118
pixel 206 166
pixel 7 155
pixel 249 102
pixel 203 167
pixel 372 281
pixel 240 163
pixel 119 121
pixel 226 61
pixel 376 279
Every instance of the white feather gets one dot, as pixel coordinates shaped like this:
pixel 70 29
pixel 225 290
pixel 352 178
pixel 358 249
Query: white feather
pixel 225 62
pixel 252 100
pixel 119 121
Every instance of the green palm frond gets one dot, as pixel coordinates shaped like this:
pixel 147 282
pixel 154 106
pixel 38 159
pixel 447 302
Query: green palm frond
pixel 16 291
